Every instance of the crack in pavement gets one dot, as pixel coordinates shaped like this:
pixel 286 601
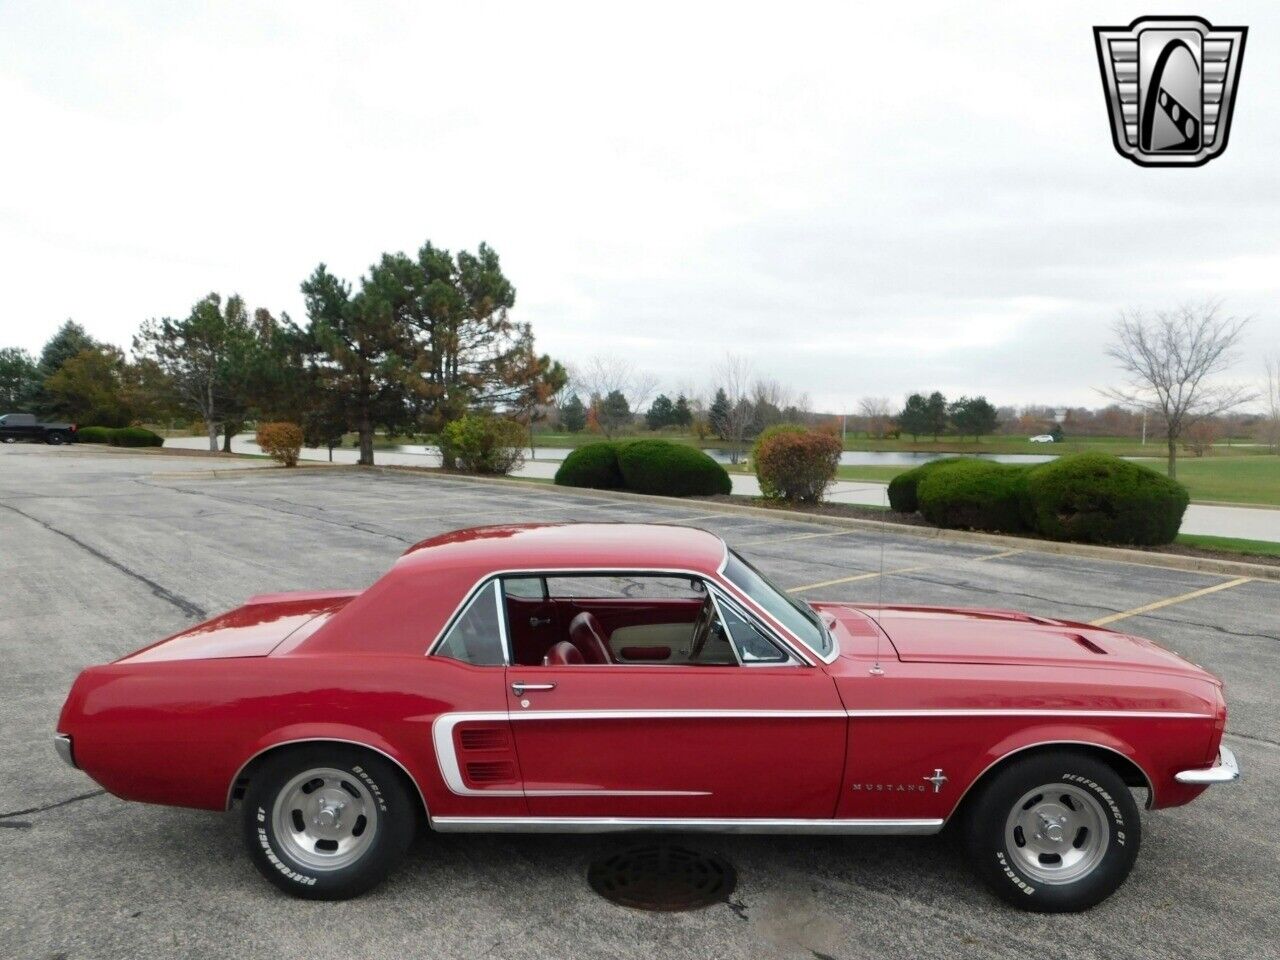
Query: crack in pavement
pixel 51 806
pixel 1252 739
pixel 163 593
pixel 244 502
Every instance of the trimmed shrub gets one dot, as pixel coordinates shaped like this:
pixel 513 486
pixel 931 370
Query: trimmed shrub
pixel 95 434
pixel 1098 498
pixel 281 441
pixel 769 432
pixel 796 466
pixel 482 443
pixel 593 465
pixel 975 495
pixel 902 488
pixel 134 437
pixel 671 469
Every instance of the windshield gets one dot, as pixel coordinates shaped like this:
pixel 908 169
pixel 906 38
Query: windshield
pixel 795 615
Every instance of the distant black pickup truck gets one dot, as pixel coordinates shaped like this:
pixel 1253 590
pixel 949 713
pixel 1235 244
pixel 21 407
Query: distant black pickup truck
pixel 25 426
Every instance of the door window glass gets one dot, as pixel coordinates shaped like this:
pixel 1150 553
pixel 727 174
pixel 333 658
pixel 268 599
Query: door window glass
pixel 526 588
pixel 476 636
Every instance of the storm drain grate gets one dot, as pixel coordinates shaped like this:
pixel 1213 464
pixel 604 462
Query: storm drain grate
pixel 662 876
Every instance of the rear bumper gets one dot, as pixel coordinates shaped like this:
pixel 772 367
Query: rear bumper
pixel 1224 771
pixel 62 744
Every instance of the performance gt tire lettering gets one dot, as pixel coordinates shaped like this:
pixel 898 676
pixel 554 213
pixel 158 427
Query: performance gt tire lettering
pixel 396 820
pixel 1004 869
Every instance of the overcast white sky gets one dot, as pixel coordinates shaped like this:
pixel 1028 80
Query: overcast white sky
pixel 862 200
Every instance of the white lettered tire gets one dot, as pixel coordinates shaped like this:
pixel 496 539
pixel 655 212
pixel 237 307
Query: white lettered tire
pixel 327 821
pixel 1054 832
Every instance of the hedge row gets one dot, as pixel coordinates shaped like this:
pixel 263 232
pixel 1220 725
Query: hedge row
pixel 644 466
pixel 1089 498
pixel 120 436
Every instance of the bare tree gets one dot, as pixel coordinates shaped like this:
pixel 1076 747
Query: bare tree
pixel 1271 404
pixel 602 374
pixel 733 376
pixel 878 413
pixel 1171 360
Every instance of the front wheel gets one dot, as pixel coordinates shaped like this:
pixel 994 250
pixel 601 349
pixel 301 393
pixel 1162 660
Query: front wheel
pixel 1054 833
pixel 327 822
pixel 55 439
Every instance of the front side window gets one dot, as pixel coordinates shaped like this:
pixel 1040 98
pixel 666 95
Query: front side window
pixel 476 636
pixel 796 616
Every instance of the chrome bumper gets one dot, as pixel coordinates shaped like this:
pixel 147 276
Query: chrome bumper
pixel 62 744
pixel 1224 771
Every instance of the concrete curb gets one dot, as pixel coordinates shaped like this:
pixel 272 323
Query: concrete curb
pixel 1169 561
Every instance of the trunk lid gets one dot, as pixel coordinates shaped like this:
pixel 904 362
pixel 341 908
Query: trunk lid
pixel 263 624
pixel 943 635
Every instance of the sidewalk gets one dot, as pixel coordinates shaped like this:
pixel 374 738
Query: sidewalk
pixel 1248 523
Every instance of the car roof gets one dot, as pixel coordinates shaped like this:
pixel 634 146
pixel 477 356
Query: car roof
pixel 616 546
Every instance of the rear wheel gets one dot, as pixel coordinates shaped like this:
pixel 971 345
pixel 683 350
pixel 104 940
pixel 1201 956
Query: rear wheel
pixel 327 822
pixel 55 438
pixel 1054 833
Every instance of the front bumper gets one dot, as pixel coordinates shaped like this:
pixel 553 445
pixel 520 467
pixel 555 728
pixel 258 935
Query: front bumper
pixel 1224 771
pixel 62 744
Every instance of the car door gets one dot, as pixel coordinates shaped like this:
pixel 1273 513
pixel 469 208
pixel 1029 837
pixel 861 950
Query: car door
pixel 752 740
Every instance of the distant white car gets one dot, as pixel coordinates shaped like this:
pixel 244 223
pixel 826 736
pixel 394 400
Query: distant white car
pixel 1042 438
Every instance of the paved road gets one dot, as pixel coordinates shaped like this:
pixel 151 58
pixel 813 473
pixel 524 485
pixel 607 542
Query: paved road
pixel 99 555
pixel 1250 523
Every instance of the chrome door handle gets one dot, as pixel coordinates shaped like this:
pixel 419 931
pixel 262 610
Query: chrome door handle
pixel 539 621
pixel 519 688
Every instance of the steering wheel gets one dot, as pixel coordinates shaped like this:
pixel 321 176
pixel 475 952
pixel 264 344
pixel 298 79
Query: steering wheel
pixel 701 629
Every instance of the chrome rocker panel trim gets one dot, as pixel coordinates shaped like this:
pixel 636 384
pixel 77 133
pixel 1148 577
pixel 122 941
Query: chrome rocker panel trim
pixel 1226 770
pixel 624 824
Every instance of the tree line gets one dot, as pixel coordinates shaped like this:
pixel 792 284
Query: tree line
pixel 416 343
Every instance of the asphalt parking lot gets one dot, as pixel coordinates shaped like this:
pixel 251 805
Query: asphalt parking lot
pixel 101 553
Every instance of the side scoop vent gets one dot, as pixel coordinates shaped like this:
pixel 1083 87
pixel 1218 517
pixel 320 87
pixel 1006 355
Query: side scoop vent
pixel 499 771
pixel 1087 644
pixel 482 738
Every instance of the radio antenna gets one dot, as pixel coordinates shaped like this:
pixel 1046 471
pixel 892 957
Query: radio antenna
pixel 876 669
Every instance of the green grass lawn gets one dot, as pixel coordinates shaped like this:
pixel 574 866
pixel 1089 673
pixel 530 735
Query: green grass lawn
pixel 1258 548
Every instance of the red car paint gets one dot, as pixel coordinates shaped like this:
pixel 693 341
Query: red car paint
pixel 955 692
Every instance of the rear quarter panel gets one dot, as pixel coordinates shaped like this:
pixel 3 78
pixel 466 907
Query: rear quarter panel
pixel 177 732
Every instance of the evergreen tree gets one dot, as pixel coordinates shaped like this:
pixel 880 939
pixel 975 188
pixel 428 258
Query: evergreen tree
pixel 662 413
pixel 573 414
pixel 914 418
pixel 973 416
pixel 682 415
pixel 937 407
pixel 718 414
pixel 613 413
pixel 19 380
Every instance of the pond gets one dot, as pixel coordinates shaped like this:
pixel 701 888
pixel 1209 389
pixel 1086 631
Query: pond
pixel 850 458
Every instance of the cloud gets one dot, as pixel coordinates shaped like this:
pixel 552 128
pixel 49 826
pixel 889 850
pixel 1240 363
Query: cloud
pixel 861 201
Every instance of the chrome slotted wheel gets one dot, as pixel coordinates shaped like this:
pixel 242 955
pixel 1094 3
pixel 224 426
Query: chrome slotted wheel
pixel 1057 832
pixel 325 819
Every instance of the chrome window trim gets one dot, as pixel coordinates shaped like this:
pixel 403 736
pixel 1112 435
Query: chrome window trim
pixel 794 645
pixel 835 642
pixel 718 597
pixel 231 787
pixel 863 827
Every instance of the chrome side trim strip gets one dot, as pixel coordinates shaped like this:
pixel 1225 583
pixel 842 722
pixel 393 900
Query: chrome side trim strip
pixel 355 743
pixel 1030 712
pixel 1226 770
pixel 450 770
pixel 618 824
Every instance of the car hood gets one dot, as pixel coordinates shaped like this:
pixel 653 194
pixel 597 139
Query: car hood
pixel 256 629
pixel 950 635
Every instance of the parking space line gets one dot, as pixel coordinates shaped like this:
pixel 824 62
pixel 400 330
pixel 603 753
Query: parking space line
pixel 700 516
pixel 798 536
pixel 1169 601
pixel 875 573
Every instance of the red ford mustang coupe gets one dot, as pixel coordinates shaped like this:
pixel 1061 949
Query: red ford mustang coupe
pixel 598 677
